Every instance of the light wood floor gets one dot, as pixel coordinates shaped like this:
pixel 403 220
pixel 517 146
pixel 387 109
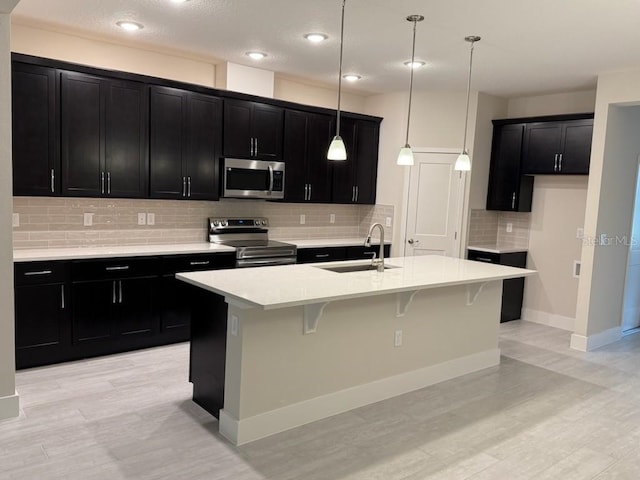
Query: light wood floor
pixel 546 412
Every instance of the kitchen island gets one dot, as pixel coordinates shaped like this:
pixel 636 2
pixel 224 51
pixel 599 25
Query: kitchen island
pixel 302 342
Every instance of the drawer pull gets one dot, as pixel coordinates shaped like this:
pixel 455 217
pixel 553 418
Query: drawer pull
pixel 484 259
pixel 41 272
pixel 199 263
pixel 113 269
pixel 62 303
pixel 322 255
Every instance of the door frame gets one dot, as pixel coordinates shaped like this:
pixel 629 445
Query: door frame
pixel 459 245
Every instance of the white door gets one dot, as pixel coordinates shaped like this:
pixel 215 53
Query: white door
pixel 434 211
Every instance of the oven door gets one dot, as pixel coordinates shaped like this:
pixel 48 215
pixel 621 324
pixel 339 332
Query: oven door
pixel 264 262
pixel 253 179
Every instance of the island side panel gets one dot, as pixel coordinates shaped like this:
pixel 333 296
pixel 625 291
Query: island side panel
pixel 278 378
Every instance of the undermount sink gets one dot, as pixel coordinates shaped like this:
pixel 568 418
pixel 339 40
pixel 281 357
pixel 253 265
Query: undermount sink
pixel 354 268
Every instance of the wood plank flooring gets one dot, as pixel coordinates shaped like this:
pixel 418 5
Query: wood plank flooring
pixel 547 412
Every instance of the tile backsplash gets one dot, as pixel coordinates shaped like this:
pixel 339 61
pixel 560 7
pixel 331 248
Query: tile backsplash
pixel 489 228
pixel 51 222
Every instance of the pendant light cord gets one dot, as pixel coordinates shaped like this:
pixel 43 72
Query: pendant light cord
pixel 412 66
pixel 340 70
pixel 466 117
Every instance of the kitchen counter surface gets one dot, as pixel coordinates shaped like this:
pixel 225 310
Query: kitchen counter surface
pixel 41 254
pixel 330 242
pixel 270 288
pixel 495 249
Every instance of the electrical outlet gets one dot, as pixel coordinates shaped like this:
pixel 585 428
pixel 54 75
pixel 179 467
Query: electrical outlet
pixel 234 325
pixel 151 218
pixel 16 219
pixel 332 218
pixel 303 219
pixel 142 219
pixel 397 338
pixel 509 227
pixel 580 233
pixel 88 219
pixel 387 222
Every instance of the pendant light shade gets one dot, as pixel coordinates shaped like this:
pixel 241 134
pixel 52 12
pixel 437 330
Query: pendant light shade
pixel 463 163
pixel 337 149
pixel 405 157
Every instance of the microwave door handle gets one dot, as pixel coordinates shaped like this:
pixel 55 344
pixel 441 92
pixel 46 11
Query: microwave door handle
pixel 270 179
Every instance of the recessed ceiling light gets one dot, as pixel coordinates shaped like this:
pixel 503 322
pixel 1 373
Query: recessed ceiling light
pixel 256 55
pixel 316 37
pixel 350 77
pixel 130 26
pixel 416 64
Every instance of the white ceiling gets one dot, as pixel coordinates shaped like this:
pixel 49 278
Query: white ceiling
pixel 528 46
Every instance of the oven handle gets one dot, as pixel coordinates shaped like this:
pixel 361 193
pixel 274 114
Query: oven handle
pixel 265 262
pixel 270 179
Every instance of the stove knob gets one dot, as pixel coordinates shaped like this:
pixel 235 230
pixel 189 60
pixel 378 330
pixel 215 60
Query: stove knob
pixel 264 222
pixel 223 223
pixel 257 223
pixel 215 223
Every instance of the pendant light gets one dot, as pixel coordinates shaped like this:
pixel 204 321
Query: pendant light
pixel 405 157
pixel 463 163
pixel 337 150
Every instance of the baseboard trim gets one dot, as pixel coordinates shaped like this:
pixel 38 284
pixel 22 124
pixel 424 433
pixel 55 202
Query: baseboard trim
pixel 9 406
pixel 259 426
pixel 597 340
pixel 549 319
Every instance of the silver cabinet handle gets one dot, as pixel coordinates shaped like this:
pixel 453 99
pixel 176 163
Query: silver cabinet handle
pixel 199 263
pixel 113 292
pixel 306 191
pixel 120 290
pixel 184 186
pixel 53 181
pixel 62 297
pixel 252 154
pixel 321 255
pixel 357 192
pixel 309 192
pixel 256 150
pixel 40 272
pixel 513 200
pixel 353 194
pixel 119 267
pixel 108 183
pixel 270 179
pixel 555 163
pixel 189 186
pixel 560 163
pixel 102 183
pixel 483 259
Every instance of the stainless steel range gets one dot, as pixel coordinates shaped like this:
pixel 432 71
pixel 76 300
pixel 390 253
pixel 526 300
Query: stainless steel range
pixel 250 238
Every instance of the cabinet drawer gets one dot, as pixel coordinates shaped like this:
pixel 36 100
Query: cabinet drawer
pixel 328 254
pixel 483 256
pixel 114 268
pixel 34 273
pixel 193 263
pixel 361 252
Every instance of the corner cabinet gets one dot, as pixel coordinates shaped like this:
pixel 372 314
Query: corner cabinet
pixel 306 140
pixel 354 180
pixel 185 144
pixel 252 130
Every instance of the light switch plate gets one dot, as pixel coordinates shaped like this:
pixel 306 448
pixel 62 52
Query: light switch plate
pixel 142 219
pixel 509 227
pixel 16 219
pixel 151 218
pixel 234 325
pixel 397 338
pixel 387 222
pixel 88 219
pixel 580 233
pixel 303 219
pixel 332 218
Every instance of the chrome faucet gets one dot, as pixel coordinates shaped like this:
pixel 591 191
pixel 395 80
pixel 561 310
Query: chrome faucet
pixel 377 262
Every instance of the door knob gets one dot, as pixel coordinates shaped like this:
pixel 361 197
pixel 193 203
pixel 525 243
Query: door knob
pixel 410 241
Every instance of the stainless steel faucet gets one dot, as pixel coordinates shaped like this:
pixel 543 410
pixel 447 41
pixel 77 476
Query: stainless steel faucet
pixel 377 262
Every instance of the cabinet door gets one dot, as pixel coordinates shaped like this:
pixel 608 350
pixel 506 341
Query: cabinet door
pixel 203 142
pixel 93 303
pixel 166 143
pixel 576 148
pixel 296 129
pixel 267 123
pixel 237 129
pixel 508 189
pixel 319 136
pixel 175 312
pixel 82 129
pixel 343 189
pixel 126 158
pixel 366 167
pixel 134 301
pixel 542 146
pixel 36 160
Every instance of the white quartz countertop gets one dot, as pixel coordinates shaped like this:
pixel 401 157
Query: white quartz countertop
pixel 292 285
pixel 495 249
pixel 332 242
pixel 39 254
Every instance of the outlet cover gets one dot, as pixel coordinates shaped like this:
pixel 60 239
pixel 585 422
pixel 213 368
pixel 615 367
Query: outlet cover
pixel 332 218
pixel 509 227
pixel 387 222
pixel 142 219
pixel 580 233
pixel 151 218
pixel 16 220
pixel 303 219
pixel 397 338
pixel 88 219
pixel 234 325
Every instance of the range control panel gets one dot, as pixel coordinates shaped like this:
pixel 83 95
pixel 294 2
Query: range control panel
pixel 236 223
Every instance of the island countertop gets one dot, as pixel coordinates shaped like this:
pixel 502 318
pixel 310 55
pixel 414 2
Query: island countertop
pixel 276 287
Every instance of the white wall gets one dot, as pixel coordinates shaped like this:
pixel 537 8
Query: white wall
pixel 8 396
pixel 558 103
pixel 631 305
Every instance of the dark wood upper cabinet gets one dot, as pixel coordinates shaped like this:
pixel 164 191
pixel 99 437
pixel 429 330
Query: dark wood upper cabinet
pixel 252 130
pixel 36 158
pixel 103 136
pixel 560 147
pixel 308 172
pixel 185 145
pixel 354 180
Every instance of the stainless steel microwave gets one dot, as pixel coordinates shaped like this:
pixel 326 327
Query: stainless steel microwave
pixel 253 179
